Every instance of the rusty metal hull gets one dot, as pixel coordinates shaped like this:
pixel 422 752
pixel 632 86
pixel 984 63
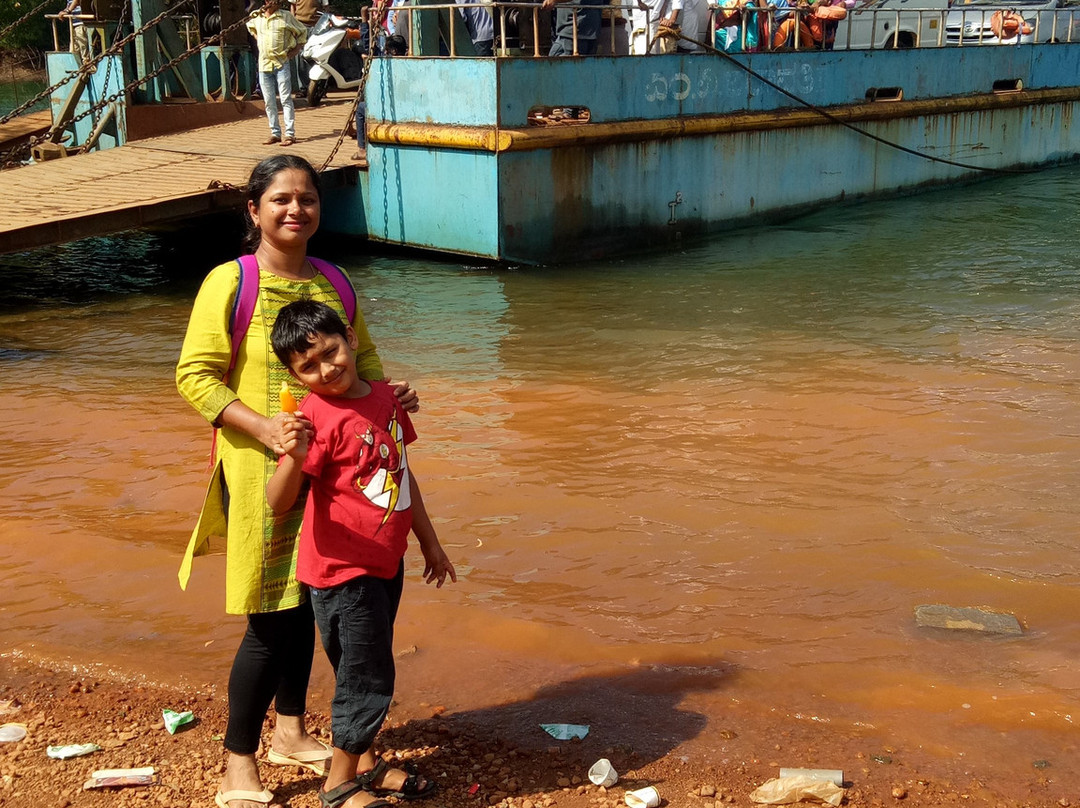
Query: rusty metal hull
pixel 682 145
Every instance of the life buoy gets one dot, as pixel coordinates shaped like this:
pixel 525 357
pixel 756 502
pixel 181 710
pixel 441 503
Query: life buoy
pixel 1007 24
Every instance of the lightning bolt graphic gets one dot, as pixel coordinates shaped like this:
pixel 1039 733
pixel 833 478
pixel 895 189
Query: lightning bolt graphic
pixel 390 484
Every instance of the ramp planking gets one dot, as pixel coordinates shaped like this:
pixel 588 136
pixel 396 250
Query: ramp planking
pixel 156 180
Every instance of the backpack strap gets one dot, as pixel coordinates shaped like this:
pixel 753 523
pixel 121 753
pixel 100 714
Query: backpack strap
pixel 341 283
pixel 247 295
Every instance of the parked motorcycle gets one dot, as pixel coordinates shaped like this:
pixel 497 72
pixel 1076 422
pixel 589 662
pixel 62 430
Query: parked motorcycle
pixel 335 51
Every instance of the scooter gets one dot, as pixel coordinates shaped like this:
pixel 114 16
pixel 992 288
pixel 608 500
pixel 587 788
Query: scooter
pixel 335 53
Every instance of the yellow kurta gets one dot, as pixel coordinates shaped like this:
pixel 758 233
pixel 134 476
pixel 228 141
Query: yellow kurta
pixel 260 546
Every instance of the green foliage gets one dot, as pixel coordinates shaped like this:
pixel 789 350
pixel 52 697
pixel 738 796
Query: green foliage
pixel 349 8
pixel 35 32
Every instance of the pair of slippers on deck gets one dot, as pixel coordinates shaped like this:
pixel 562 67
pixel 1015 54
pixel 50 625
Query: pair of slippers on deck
pixel 409 790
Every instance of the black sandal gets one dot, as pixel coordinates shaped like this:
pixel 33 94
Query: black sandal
pixel 410 789
pixel 336 797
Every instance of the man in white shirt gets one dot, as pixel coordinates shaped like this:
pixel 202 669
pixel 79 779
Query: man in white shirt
pixel 646 20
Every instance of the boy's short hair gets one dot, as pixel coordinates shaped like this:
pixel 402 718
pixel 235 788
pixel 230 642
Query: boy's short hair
pixel 297 324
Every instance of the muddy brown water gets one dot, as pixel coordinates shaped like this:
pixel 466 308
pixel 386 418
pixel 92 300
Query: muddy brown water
pixel 746 462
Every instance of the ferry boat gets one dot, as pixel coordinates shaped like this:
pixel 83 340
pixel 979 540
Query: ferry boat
pixel 522 158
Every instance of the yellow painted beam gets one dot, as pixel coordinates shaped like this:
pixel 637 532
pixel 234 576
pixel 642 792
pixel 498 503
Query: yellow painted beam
pixel 493 139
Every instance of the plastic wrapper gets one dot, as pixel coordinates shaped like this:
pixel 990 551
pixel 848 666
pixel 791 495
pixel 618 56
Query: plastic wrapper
pixel 114 778
pixel 786 790
pixel 174 720
pixel 71 750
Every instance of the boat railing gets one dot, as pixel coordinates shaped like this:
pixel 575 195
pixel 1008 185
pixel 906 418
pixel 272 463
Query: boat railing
pixel 69 21
pixel 520 28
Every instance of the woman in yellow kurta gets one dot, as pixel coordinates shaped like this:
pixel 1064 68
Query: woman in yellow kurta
pixel 273 662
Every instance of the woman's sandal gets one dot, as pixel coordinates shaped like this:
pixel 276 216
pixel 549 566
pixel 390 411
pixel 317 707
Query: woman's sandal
pixel 409 790
pixel 336 797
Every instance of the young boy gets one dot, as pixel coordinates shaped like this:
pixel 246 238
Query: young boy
pixel 348 441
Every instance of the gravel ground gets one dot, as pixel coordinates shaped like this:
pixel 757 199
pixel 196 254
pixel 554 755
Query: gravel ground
pixel 475 762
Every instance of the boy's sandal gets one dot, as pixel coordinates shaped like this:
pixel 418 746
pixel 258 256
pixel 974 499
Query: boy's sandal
pixel 336 797
pixel 409 790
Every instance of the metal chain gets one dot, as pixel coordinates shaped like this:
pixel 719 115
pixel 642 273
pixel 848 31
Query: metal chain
pixel 153 75
pixel 114 49
pixel 378 10
pixel 109 63
pixel 5 31
pixel 352 114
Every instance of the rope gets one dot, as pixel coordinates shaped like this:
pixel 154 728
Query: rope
pixel 32 12
pixel 839 121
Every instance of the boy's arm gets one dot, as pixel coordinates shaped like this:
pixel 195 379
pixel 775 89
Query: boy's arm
pixel 284 487
pixel 436 564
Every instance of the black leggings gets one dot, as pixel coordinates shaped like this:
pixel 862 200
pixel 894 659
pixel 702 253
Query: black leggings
pixel 273 663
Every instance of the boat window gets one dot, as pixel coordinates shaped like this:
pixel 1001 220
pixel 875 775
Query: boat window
pixel 885 94
pixel 1008 85
pixel 559 116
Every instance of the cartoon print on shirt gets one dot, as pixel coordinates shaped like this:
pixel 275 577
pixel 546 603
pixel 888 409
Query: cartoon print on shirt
pixel 382 473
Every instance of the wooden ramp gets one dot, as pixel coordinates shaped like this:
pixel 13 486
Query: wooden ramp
pixel 18 129
pixel 156 180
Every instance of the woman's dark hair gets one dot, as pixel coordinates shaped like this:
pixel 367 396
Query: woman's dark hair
pixel 261 177
pixel 297 325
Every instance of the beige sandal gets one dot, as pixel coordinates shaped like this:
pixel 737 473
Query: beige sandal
pixel 223 798
pixel 316 760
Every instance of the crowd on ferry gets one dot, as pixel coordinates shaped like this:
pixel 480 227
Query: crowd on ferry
pixel 557 28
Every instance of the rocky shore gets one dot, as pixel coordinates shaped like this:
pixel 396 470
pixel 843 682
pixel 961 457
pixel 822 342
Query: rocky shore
pixel 475 764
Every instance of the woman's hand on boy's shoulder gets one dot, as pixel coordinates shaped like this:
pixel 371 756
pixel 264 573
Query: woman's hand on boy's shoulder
pixel 407 397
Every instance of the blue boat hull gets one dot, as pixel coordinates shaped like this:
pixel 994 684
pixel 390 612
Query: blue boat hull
pixel 682 145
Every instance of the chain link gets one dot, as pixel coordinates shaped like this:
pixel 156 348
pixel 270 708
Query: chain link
pixel 115 48
pixel 154 74
pixel 5 31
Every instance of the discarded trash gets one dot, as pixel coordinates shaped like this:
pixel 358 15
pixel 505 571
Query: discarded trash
pixel 602 773
pixel 564 732
pixel 175 720
pixel 473 789
pixel 108 778
pixel 647 797
pixel 71 750
pixel 834 776
pixel 12 733
pixel 784 790
pixel 967 619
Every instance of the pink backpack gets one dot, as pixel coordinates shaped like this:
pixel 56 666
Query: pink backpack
pixel 247 295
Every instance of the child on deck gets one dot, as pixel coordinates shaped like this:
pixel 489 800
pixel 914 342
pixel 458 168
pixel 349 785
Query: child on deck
pixel 348 440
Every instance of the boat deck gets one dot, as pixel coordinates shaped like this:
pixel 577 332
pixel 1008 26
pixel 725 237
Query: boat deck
pixel 156 180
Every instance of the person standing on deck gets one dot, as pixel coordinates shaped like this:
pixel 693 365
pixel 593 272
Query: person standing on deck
pixel 80 37
pixel 480 25
pixel 588 14
pixel 306 12
pixel 280 36
pixel 647 19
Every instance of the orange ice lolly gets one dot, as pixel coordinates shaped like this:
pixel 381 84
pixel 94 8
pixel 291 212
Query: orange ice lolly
pixel 288 400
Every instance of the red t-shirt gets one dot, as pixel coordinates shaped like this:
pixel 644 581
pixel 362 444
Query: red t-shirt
pixel 358 515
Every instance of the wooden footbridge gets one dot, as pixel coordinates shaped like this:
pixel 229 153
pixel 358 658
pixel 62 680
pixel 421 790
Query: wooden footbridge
pixel 156 180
